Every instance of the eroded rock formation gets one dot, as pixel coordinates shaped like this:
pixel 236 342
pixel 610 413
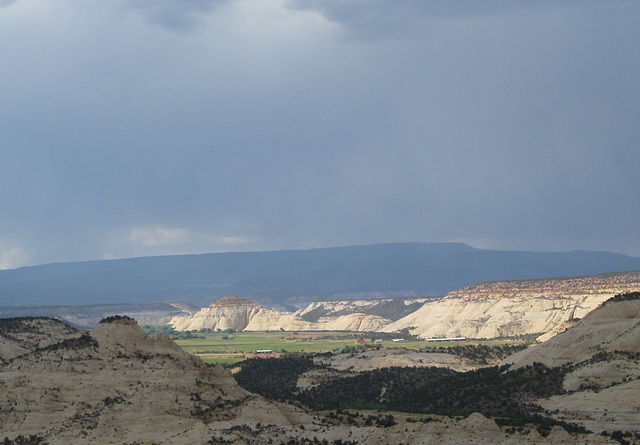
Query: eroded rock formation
pixel 601 355
pixel 512 308
pixel 486 310
pixel 115 385
pixel 244 315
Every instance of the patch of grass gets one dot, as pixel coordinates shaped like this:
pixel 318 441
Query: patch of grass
pixel 219 347
pixel 240 342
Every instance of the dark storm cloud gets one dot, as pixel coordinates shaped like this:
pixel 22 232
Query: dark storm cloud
pixel 259 125
pixel 393 18
pixel 177 15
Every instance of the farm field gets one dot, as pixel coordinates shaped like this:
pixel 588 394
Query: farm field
pixel 229 348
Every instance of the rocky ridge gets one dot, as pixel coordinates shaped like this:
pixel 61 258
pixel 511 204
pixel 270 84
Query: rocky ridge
pixel 116 385
pixel 513 308
pixel 486 310
pixel 601 357
pixel 387 308
pixel 108 385
pixel 19 336
pixel 244 315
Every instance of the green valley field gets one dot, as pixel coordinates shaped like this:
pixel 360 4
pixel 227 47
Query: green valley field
pixel 228 348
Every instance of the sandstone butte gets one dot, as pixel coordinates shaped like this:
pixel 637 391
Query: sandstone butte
pixel 240 314
pixel 116 385
pixel 486 310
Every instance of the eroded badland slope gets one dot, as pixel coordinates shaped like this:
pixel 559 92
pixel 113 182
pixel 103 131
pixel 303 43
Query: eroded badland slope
pixel 111 385
pixel 601 357
pixel 513 308
pixel 116 385
pixel 486 310
pixel 240 314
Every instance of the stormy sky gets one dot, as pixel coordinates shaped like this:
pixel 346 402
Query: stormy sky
pixel 148 127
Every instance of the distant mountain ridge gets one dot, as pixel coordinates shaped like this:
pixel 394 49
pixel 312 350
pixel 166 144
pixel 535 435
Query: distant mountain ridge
pixel 293 278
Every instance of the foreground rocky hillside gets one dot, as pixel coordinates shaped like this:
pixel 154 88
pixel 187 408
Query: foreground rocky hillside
pixel 600 356
pixel 111 385
pixel 115 385
pixel 513 308
pixel 19 336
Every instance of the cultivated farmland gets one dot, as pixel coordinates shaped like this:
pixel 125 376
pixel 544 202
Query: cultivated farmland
pixel 228 348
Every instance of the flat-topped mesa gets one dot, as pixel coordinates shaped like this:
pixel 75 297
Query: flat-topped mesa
pixel 232 300
pixel 226 313
pixel 607 284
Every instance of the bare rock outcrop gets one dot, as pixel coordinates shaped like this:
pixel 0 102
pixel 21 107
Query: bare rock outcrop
pixel 512 308
pixel 245 315
pixel 112 385
pixel 271 319
pixel 227 313
pixel 19 336
pixel 614 326
pixel 390 309
pixel 487 310
pixel 116 385
pixel 355 322
pixel 601 355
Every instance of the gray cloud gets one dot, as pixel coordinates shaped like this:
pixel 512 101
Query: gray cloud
pixel 180 16
pixel 259 126
pixel 376 19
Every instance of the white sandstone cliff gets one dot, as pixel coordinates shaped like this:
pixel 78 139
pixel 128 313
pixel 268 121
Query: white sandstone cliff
pixel 244 315
pixel 513 308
